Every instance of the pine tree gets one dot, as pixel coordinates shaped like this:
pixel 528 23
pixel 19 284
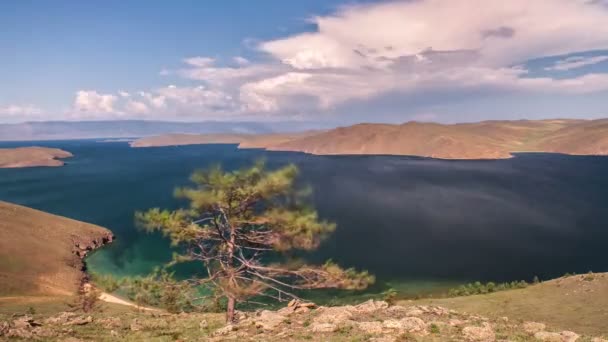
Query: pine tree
pixel 237 221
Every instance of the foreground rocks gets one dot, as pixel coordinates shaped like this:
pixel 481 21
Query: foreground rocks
pixel 377 321
pixel 373 321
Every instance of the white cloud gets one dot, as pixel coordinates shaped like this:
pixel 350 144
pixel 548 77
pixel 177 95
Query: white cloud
pixel 240 60
pixel 90 101
pixel 21 110
pixel 136 107
pixel 361 52
pixel 199 61
pixel 576 62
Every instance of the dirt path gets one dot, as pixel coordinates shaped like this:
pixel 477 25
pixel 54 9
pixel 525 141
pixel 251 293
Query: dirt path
pixel 110 298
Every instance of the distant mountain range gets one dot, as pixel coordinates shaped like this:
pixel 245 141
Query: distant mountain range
pixel 482 140
pixel 59 130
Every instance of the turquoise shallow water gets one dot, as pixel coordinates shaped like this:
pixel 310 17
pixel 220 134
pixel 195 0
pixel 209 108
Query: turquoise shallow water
pixel 420 225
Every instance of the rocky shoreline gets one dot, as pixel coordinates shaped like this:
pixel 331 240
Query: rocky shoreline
pixel 83 245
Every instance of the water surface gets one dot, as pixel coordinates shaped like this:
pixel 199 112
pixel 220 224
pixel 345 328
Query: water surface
pixel 416 223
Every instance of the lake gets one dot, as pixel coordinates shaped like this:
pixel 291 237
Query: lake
pixel 418 224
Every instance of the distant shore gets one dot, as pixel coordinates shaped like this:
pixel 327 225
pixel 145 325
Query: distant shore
pixel 32 157
pixel 481 140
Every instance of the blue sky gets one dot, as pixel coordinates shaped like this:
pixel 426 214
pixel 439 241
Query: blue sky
pixel 333 61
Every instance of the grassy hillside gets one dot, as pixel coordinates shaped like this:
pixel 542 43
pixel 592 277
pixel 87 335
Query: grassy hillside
pixel 39 253
pixel 578 303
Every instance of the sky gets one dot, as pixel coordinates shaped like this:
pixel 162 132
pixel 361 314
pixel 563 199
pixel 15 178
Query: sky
pixel 315 60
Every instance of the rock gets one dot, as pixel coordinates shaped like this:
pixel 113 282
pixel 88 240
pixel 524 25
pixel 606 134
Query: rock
pixel 297 306
pixel 456 322
pixel 397 309
pixel 383 339
pixel 323 327
pixel 268 320
pixel 136 325
pixel 484 333
pixel 225 330
pixel 414 312
pixel 20 333
pixel 533 327
pixel 409 324
pixel 72 339
pixel 597 339
pixel 564 336
pixel 203 324
pixel 110 322
pixel 335 315
pixel 438 311
pixel 60 319
pixel 4 328
pixel 25 322
pixel 371 306
pixel 370 327
pixel 43 332
pixel 79 320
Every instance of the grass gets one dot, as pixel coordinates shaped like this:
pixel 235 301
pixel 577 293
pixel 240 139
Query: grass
pixel 578 303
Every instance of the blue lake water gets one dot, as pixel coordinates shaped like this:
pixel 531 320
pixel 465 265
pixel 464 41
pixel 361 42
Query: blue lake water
pixel 415 223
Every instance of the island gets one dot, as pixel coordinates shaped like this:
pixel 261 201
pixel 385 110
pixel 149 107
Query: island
pixel 42 254
pixel 480 140
pixel 32 156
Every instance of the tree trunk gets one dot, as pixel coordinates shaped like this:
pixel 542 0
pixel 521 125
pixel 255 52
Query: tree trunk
pixel 230 310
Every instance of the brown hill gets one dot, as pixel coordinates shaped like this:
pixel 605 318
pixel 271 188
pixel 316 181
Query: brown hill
pixel 187 139
pixel 31 156
pixel 41 253
pixel 481 140
pixel 587 138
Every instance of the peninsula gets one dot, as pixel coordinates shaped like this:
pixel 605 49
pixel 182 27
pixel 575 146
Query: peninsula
pixel 32 156
pixel 41 253
pixel 481 140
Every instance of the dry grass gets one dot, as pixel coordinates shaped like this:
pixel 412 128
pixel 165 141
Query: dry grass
pixel 31 156
pixel 578 303
pixel 36 251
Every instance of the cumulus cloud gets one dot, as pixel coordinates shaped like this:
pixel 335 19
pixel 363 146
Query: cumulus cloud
pixel 90 101
pixel 362 52
pixel 576 62
pixel 434 44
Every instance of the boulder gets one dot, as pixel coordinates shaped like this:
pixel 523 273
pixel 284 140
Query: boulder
pixel 4 328
pixel 225 330
pixel 20 333
pixel 268 320
pixel 323 327
pixel 136 325
pixel 383 339
pixel 533 327
pixel 371 306
pixel 334 315
pixel 60 319
pixel 409 324
pixel 414 312
pixel 370 327
pixel 81 320
pixel 483 333
pixel 25 322
pixel 564 336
